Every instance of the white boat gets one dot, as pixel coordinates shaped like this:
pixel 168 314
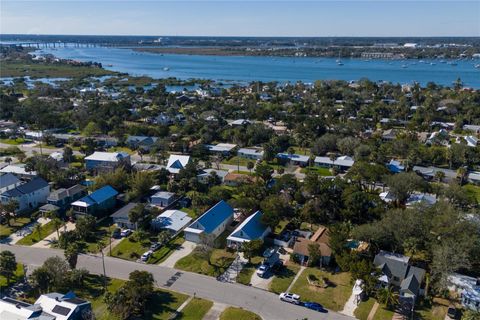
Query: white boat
pixel 340 63
pixel 166 69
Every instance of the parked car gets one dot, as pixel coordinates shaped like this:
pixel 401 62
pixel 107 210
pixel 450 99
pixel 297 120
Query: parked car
pixel 314 306
pixel 290 297
pixel 263 269
pixel 155 246
pixel 277 266
pixel 125 233
pixel 268 252
pixel 146 255
pixel 452 313
pixel 116 234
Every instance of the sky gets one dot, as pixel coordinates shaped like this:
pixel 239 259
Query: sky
pixel 242 18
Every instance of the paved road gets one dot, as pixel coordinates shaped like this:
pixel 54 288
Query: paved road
pixel 263 303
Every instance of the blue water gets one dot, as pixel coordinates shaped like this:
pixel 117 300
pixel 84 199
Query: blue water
pixel 282 69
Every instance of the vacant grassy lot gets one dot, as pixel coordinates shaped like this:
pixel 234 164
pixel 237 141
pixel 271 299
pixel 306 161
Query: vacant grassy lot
pixel 333 297
pixel 234 161
pixel 130 249
pixel 35 236
pixel 435 311
pixel 283 278
pixel 196 309
pixel 213 264
pixel 101 236
pixel 238 314
pixel 15 225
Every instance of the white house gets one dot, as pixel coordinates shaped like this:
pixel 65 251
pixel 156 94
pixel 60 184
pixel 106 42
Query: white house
pixel 250 153
pixel 29 195
pixel 251 228
pixel 204 174
pixel 106 160
pixel 64 306
pixel 176 163
pixel 212 223
pixel 171 220
pixel 224 148
pixel 18 170
pixel 343 162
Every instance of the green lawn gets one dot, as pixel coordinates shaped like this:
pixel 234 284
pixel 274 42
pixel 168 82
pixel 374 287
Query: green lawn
pixel 238 161
pixel 121 149
pixel 13 142
pixel 333 297
pixel 283 278
pixel 196 309
pixel 281 225
pixel 245 275
pixel 198 262
pixel 238 314
pixel 34 237
pixel 16 225
pixel 363 309
pixel 191 213
pixel 163 303
pixel 101 237
pixel 435 311
pixel 473 191
pixel 383 314
pixel 324 172
pixel 132 250
pixel 19 274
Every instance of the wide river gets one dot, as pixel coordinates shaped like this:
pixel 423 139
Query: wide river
pixel 282 69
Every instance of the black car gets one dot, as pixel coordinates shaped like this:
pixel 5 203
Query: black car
pixel 116 233
pixel 452 312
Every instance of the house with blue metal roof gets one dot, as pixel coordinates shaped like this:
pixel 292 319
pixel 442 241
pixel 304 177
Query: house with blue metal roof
pixel 251 228
pixel 211 224
pixel 97 202
pixel 29 195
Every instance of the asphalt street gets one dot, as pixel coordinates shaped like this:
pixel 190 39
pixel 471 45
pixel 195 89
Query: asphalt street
pixel 264 303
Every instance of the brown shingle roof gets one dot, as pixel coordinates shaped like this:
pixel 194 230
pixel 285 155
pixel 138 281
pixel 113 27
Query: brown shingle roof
pixel 320 237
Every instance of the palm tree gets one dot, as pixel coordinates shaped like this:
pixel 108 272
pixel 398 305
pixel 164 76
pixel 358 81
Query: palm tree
pixel 439 175
pixel 388 297
pixel 462 174
pixel 9 209
pixel 163 237
pixel 38 231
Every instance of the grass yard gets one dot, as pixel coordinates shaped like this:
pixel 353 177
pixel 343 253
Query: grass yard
pixel 473 191
pixel 283 278
pixel 196 309
pixel 363 309
pixel 34 237
pixel 324 172
pixel 281 225
pixel 436 311
pixel 333 297
pixel 102 236
pixel 191 213
pixel 13 142
pixel 129 249
pixel 383 313
pixel 214 265
pixel 121 149
pixel 248 270
pixel 16 225
pixel 19 274
pixel 238 161
pixel 238 314
pixel 163 304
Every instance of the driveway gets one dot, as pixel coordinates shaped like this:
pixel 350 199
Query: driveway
pixel 25 231
pixel 261 283
pixel 47 241
pixel 186 248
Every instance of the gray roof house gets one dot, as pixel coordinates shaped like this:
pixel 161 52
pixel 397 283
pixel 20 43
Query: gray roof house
pixel 8 181
pixel 120 217
pixel 29 195
pixel 397 271
pixel 171 220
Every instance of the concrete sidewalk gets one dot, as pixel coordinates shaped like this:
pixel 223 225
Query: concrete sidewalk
pixel 215 311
